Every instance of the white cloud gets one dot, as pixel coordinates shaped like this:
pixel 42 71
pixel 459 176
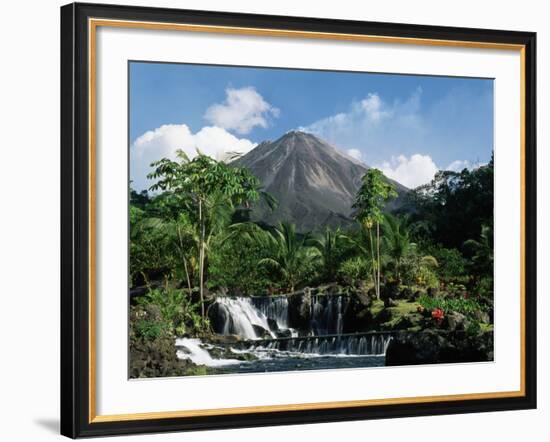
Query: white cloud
pixel 355 153
pixel 460 165
pixel 374 108
pixel 242 110
pixel 163 142
pixel 411 172
pixel 372 124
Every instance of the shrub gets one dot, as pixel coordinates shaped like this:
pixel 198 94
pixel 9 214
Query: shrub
pixel 466 306
pixel 177 314
pixel 354 270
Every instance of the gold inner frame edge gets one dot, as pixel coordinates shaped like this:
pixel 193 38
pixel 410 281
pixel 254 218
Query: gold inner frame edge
pixel 93 24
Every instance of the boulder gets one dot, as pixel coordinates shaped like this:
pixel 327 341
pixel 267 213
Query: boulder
pixel 389 290
pixel 455 321
pixel 286 333
pixel 357 316
pixel 219 317
pixel 482 316
pixel 435 346
pixel 299 310
pixel 261 332
pixel 273 326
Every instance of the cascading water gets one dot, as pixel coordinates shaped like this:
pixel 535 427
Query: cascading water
pixel 373 344
pixel 327 315
pixel 194 350
pixel 248 317
pixel 265 336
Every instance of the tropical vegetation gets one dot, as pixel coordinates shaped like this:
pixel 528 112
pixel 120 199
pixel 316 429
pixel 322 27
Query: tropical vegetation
pixel 192 235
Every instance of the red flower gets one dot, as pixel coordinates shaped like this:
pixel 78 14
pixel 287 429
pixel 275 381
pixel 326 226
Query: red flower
pixel 438 315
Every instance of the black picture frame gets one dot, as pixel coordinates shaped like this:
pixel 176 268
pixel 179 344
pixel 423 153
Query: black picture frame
pixel 75 221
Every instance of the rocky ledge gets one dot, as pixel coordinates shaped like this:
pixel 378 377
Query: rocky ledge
pixel 434 346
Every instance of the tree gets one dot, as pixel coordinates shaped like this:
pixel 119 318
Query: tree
pixel 182 238
pixel 396 241
pixel 208 188
pixel 454 205
pixel 288 252
pixel 481 252
pixel 374 193
pixel 329 246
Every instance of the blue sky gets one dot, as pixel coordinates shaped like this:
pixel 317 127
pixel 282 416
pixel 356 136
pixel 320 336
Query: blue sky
pixel 408 126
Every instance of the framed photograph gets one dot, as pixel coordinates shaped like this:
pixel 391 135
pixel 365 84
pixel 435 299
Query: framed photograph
pixel 275 220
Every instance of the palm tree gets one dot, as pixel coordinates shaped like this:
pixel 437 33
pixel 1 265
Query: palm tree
pixel 363 242
pixel 288 252
pixel 374 193
pixel 396 241
pixel 183 237
pixel 329 247
pixel 482 251
pixel 206 185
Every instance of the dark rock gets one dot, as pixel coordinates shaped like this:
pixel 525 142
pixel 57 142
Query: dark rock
pixel 357 316
pixel 273 326
pixel 219 317
pixel 283 333
pixel 299 310
pixel 407 293
pixel 433 346
pixel 455 321
pixel 261 332
pixel 389 290
pixel 403 323
pixel 152 312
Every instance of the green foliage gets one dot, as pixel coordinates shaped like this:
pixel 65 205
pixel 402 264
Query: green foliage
pixel 353 270
pixel 177 314
pixel 452 265
pixel 150 330
pixel 423 276
pixel 396 242
pixel 481 252
pixel 466 306
pixel 233 264
pixel 148 257
pixel 289 258
pixel 483 290
pixel 331 246
pixel 373 194
pixel 451 209
pixel 209 190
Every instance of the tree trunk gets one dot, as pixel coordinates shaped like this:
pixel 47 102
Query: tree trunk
pixel 373 265
pixel 201 257
pixel 378 255
pixel 184 261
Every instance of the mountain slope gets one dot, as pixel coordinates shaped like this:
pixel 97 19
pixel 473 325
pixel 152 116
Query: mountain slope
pixel 314 183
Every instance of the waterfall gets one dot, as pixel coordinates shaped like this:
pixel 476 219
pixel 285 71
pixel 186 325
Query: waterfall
pixel 241 317
pixel 327 315
pixel 373 344
pixel 254 317
pixel 281 333
pixel 192 349
pixel 275 308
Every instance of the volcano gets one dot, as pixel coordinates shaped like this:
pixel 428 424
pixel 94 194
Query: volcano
pixel 314 183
